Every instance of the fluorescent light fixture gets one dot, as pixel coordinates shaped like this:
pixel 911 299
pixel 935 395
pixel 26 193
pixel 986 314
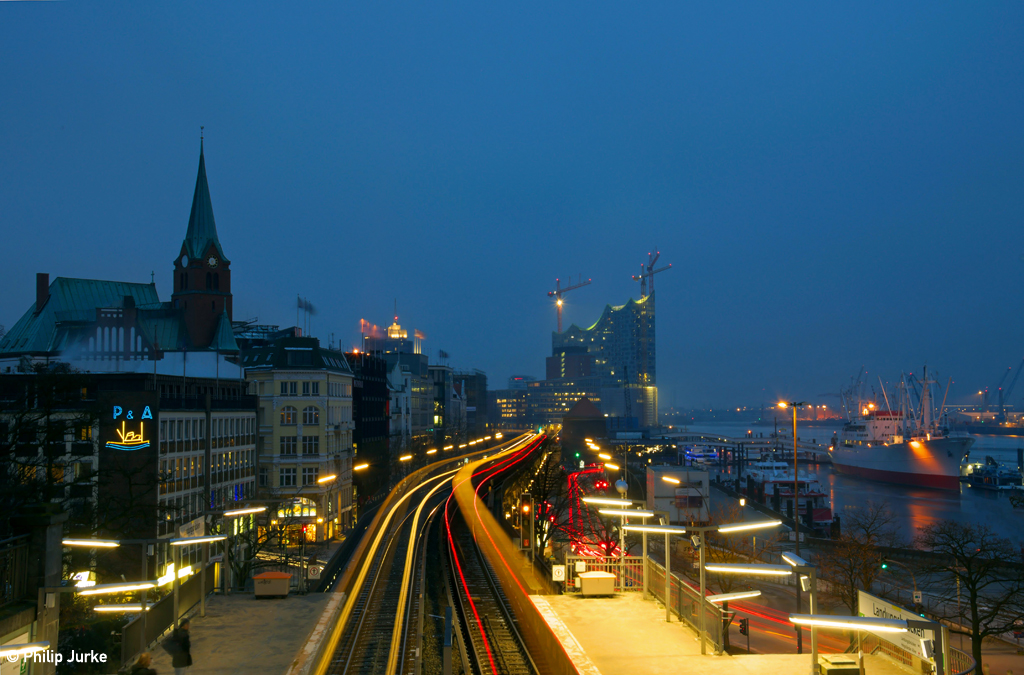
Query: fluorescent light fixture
pixel 183 573
pixel 604 455
pixel 405 458
pixel 12 652
pixel 726 597
pixel 360 467
pixel 498 435
pixel 117 588
pixel 794 560
pixel 739 527
pixel 185 541
pixel 432 451
pixel 738 568
pixel 660 529
pixel 326 479
pixel 626 513
pixel 850 622
pixel 129 607
pixel 246 511
pixel 589 440
pixel 613 467
pixel 605 501
pixel 448 447
pixel 92 543
pixel 462 446
pixel 670 479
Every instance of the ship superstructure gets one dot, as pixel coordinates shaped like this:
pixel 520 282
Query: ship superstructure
pixel 908 443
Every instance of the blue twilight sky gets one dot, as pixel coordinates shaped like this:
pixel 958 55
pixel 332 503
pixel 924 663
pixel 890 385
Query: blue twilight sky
pixel 836 184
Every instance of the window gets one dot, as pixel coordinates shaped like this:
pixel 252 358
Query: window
pixel 287 477
pixel 292 388
pixel 289 415
pixel 284 389
pixel 316 388
pixel 311 415
pixel 305 388
pixel 288 445
pixel 309 475
pixel 311 445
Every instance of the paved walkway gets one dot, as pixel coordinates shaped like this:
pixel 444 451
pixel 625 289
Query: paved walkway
pixel 242 635
pixel 624 635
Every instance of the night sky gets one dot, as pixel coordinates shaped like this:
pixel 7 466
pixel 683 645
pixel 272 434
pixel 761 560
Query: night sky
pixel 837 185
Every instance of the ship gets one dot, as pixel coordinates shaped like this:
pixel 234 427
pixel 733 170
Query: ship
pixel 906 444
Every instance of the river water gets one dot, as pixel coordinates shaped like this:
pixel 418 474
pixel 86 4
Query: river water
pixel 913 507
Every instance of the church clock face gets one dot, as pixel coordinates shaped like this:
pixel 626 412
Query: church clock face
pixel 184 261
pixel 212 261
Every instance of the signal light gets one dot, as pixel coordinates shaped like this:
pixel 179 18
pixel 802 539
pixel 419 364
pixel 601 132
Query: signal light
pixel 525 521
pixel 744 626
pixel 885 565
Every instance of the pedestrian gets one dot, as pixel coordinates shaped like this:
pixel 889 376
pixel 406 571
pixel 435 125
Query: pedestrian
pixel 182 657
pixel 141 666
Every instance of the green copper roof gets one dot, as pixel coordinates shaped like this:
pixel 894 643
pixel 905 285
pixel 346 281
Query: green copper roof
pixel 224 339
pixel 71 302
pixel 202 230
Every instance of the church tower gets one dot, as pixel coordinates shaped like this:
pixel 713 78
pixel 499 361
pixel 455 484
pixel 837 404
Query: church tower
pixel 202 273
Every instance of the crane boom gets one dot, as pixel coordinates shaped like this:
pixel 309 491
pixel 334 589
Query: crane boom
pixel 560 291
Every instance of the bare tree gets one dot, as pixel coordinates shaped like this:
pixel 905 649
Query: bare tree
pixel 978 587
pixel 852 561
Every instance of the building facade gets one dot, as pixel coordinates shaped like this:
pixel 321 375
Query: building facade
pixel 305 432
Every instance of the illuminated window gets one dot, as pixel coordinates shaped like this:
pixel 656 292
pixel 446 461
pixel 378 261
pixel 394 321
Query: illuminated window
pixel 289 415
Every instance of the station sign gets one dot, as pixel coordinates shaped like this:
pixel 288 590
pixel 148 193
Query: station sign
pixel 872 606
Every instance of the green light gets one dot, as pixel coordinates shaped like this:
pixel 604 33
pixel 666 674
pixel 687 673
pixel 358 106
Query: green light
pixel 885 565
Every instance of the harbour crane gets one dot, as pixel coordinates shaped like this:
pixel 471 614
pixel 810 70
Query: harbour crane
pixel 647 272
pixel 559 292
pixel 1004 395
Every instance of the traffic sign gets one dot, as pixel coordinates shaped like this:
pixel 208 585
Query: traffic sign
pixel 314 571
pixel 917 597
pixel 558 572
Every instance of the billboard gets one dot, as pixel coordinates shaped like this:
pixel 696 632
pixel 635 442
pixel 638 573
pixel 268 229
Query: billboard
pixel 872 606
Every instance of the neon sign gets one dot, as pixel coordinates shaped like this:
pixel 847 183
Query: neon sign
pixel 130 440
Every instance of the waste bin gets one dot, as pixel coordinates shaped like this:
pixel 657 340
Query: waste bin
pixel 272 584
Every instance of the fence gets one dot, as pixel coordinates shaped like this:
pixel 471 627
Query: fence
pixel 683 600
pixel 13 569
pixel 160 616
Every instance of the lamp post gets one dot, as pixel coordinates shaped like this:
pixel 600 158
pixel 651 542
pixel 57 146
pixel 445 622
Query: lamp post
pixel 232 517
pixel 801 566
pixel 115 543
pixel 668 531
pixel 177 543
pixel 878 625
pixel 623 514
pixel 796 509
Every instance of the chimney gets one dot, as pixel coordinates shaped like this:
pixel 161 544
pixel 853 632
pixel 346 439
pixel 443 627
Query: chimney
pixel 42 290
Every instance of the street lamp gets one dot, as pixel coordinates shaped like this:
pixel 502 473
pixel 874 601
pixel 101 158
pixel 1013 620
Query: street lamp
pixel 801 566
pixel 668 531
pixel 623 514
pixel 722 529
pixel 177 543
pixel 796 509
pixel 228 548
pixel 879 625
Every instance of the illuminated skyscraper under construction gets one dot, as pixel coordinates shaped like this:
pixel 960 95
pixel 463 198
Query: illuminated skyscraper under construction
pixel 622 345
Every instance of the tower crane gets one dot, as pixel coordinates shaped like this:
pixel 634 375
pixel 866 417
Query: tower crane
pixel 560 291
pixel 647 272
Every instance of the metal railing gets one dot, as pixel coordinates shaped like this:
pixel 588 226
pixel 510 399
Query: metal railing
pixel 13 569
pixel 960 663
pixel 684 601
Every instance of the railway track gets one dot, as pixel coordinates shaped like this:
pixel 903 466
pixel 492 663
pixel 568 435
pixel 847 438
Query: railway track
pixel 487 625
pixel 380 632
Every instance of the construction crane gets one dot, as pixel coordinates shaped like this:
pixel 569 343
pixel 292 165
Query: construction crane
pixel 559 292
pixel 999 388
pixel 647 272
pixel 1004 395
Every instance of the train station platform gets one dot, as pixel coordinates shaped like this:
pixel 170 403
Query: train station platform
pixel 625 635
pixel 241 635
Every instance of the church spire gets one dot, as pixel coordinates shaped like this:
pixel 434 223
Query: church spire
pixel 202 230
